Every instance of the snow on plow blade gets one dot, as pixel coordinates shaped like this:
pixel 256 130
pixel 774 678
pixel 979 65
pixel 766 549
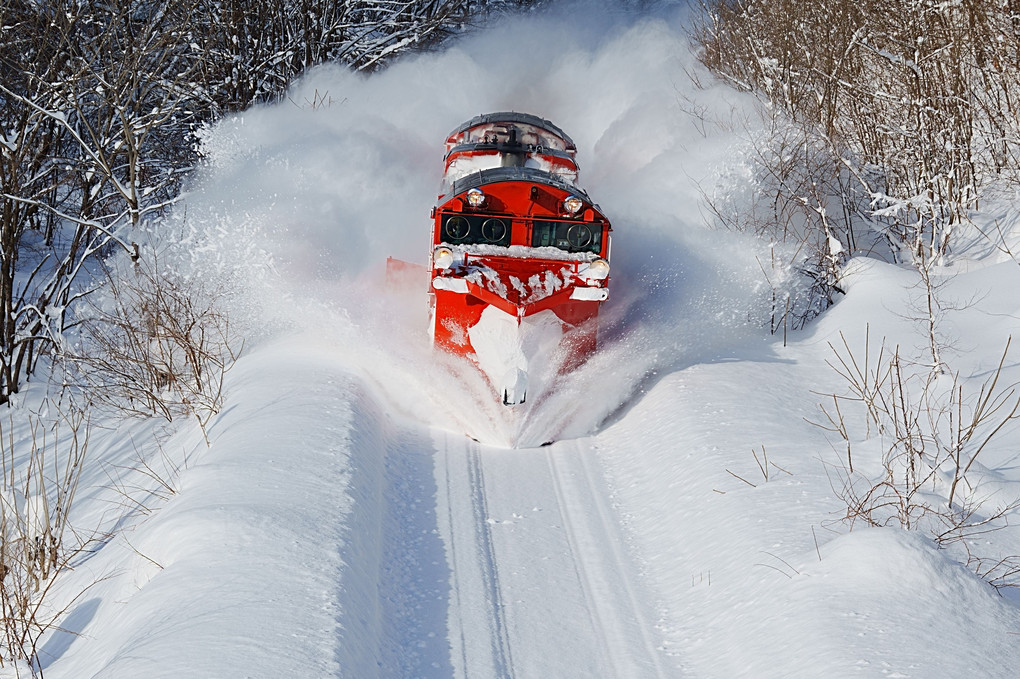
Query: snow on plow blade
pixel 520 254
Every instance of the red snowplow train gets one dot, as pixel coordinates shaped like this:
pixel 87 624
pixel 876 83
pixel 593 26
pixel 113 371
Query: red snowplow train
pixel 520 253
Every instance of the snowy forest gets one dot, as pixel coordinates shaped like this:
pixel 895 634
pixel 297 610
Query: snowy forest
pixel 100 103
pixel 889 118
pixel 816 256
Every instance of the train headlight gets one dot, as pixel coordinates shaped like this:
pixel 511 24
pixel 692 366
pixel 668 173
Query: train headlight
pixel 572 205
pixel 442 258
pixel 475 197
pixel 597 270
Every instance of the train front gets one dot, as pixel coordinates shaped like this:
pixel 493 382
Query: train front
pixel 520 258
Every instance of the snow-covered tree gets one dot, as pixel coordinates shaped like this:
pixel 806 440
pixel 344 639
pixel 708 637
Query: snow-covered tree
pixel 98 105
pixel 916 99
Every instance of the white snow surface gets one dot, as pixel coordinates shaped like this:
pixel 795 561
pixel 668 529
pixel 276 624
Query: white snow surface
pixel 367 508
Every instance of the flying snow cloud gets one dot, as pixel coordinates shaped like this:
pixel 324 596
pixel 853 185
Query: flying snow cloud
pixel 343 173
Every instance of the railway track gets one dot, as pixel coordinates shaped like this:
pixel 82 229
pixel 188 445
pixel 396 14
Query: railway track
pixel 542 584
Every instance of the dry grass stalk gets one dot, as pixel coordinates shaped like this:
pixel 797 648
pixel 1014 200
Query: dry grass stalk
pixel 161 347
pixel 931 434
pixel 38 482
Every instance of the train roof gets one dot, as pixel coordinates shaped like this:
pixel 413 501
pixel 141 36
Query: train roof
pixel 514 117
pixel 504 147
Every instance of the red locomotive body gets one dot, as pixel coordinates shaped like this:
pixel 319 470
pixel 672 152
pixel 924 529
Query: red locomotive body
pixel 517 249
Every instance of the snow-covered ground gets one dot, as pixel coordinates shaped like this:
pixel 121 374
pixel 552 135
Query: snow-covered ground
pixel 366 508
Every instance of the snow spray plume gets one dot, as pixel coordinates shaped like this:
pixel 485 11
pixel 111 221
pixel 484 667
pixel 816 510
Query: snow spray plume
pixel 344 173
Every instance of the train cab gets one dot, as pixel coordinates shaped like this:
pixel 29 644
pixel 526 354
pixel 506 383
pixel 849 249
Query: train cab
pixel 520 252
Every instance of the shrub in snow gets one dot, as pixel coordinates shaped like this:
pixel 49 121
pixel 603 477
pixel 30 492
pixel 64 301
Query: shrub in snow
pixel 926 430
pixel 37 490
pixel 888 120
pixel 155 342
pixel 794 198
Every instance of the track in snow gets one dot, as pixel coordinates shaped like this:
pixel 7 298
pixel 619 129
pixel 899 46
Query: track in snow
pixel 541 582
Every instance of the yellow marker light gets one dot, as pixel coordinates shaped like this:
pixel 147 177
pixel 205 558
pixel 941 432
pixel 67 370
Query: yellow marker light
pixel 572 205
pixel 475 198
pixel 442 258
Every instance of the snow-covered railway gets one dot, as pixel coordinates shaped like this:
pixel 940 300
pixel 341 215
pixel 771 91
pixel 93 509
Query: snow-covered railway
pixel 543 584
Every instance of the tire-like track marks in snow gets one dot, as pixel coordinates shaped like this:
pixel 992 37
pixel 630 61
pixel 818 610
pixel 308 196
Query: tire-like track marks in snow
pixel 476 602
pixel 490 572
pixel 542 583
pixel 611 592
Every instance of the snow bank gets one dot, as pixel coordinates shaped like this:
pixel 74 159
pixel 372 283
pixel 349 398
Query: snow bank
pixel 265 556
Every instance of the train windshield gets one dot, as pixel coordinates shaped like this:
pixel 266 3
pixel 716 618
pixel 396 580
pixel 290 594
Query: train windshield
pixel 476 230
pixel 573 237
pixel 569 236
